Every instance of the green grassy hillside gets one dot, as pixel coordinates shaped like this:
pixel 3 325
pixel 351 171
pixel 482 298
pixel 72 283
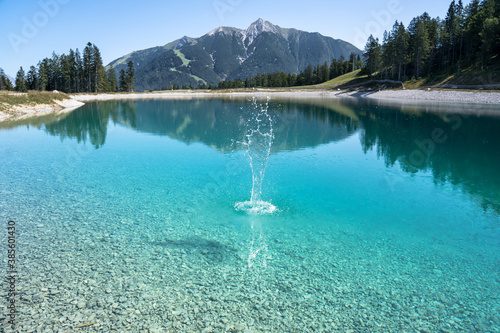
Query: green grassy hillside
pixel 468 78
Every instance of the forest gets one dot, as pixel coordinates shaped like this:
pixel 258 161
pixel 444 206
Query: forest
pixel 469 36
pixel 309 76
pixel 72 73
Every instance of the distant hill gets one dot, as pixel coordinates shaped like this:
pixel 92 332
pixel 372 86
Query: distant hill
pixel 227 53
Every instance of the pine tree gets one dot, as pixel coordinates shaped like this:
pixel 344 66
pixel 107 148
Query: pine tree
pixel 388 54
pixel 21 81
pixel 308 75
pixel 113 82
pixel 473 26
pixel 5 83
pixel 333 69
pixel 451 24
pixel 32 78
pixel 71 68
pixel 401 47
pixel 101 83
pixel 87 67
pixel 432 27
pixel 43 74
pixel 490 32
pixel 123 81
pixel 323 74
pixel 66 72
pixel 490 38
pixel 130 76
pixel 2 84
pixel 460 32
pixel 55 71
pixel 78 71
pixel 372 55
pixel 419 40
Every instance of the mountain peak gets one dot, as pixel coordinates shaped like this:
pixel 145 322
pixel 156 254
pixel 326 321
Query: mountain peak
pixel 258 27
pixel 224 30
pixel 255 29
pixel 262 25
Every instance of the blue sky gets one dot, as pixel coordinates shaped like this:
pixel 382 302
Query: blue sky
pixel 30 30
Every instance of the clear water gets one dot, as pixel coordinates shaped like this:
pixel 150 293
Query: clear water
pixel 387 217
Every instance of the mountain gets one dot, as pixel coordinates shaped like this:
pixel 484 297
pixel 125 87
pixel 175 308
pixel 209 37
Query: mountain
pixel 227 53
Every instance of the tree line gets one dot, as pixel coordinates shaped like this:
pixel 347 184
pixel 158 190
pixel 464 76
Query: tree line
pixel 309 76
pixel 73 73
pixel 469 35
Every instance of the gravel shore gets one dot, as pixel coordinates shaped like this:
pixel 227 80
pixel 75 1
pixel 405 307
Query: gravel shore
pixel 415 95
pixel 431 95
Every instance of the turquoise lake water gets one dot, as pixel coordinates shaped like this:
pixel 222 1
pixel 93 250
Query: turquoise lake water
pixel 229 215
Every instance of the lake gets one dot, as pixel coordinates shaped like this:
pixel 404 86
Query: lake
pixel 255 215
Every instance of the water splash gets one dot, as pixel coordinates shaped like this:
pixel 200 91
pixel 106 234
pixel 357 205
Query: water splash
pixel 259 138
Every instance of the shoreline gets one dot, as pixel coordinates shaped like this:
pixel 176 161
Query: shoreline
pixel 18 112
pixel 484 97
pixel 396 96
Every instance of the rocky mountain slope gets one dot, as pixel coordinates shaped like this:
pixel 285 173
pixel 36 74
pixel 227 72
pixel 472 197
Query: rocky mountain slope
pixel 231 53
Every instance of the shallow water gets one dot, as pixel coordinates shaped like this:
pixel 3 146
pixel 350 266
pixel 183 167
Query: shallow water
pixel 387 217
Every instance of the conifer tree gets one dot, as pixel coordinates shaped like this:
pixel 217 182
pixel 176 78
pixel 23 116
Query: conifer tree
pixel 101 83
pixel 21 81
pixel 401 39
pixel 323 74
pixel 32 78
pixel 419 41
pixel 113 82
pixel 78 71
pixel 452 25
pixel 123 81
pixel 5 83
pixel 130 76
pixel 388 54
pixel 2 83
pixel 87 67
pixel 490 32
pixel 490 36
pixel 55 72
pixel 372 55
pixel 308 75
pixel 43 74
pixel 473 26
pixel 67 72
pixel 71 71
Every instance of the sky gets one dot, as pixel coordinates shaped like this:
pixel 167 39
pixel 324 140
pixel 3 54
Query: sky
pixel 31 30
